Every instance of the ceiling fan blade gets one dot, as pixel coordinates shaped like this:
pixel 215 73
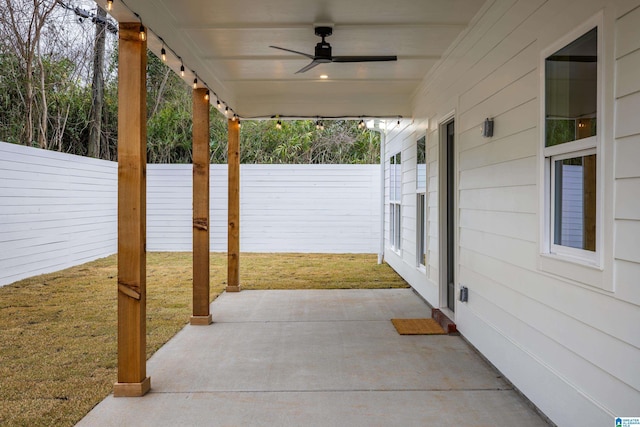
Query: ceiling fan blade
pixel 313 63
pixel 294 51
pixel 363 58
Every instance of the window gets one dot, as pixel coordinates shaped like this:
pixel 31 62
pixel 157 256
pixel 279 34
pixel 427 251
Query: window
pixel 421 165
pixel 395 199
pixel 571 145
pixel 574 213
pixel 421 227
pixel 421 215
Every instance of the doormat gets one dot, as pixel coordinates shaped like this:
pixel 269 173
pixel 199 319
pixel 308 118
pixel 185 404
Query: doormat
pixel 418 327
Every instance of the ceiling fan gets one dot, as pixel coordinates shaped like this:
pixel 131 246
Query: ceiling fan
pixel 323 53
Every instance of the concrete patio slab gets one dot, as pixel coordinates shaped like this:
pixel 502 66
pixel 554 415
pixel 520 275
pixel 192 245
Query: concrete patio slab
pixel 316 358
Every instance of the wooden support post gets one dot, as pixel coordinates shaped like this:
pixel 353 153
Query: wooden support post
pixel 201 314
pixel 233 251
pixel 132 161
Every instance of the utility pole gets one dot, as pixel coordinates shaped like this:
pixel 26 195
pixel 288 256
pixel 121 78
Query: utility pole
pixel 97 92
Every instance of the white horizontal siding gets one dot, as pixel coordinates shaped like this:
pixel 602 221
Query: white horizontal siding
pixel 283 208
pixel 169 207
pixel 627 145
pixel 402 138
pixel 56 211
pixel 553 336
pixel 433 248
pixel 310 208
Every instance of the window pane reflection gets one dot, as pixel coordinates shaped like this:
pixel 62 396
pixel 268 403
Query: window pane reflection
pixel 575 202
pixel 571 91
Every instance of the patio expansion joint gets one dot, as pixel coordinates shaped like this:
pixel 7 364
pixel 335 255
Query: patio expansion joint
pixel 364 390
pixel 299 321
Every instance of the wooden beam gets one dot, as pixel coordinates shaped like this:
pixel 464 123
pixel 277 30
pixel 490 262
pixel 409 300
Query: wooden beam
pixel 201 314
pixel 132 161
pixel 233 251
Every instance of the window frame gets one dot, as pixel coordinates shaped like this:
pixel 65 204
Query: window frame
pixel 397 243
pixel 421 192
pixel 421 184
pixel 558 259
pixel 564 250
pixel 395 201
pixel 421 230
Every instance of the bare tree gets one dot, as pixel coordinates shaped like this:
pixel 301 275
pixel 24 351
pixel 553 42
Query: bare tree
pixel 22 23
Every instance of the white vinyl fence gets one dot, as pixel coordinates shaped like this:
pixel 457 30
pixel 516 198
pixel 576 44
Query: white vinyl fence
pixel 59 210
pixel 283 208
pixel 56 211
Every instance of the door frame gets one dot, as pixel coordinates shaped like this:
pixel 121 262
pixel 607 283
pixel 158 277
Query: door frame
pixel 444 217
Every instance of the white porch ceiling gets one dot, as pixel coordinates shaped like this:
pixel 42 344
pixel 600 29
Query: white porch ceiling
pixel 226 42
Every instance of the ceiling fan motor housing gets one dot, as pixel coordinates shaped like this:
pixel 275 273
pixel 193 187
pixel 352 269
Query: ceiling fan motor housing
pixel 323 31
pixel 323 52
pixel 323 49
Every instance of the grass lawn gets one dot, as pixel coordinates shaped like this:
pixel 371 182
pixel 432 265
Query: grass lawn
pixel 58 330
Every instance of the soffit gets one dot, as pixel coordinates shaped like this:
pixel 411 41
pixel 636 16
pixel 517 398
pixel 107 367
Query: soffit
pixel 227 44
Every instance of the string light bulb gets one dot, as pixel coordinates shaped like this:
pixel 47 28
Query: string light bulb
pixel 361 124
pixel 239 124
pixel 218 104
pixel 109 5
pixel 206 96
pixel 163 54
pixel 226 111
pixel 182 70
pixel 278 125
pixel 143 33
pixel 195 83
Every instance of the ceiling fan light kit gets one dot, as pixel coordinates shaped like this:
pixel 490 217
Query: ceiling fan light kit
pixel 323 53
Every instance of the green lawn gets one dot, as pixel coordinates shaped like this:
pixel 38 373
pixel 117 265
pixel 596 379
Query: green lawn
pixel 58 335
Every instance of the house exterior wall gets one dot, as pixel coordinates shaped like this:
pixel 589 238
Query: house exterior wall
pixel 59 210
pixel 566 335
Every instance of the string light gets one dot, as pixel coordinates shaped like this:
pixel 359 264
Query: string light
pixel 206 95
pixel 239 124
pixel 278 125
pixel 109 5
pixel 163 55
